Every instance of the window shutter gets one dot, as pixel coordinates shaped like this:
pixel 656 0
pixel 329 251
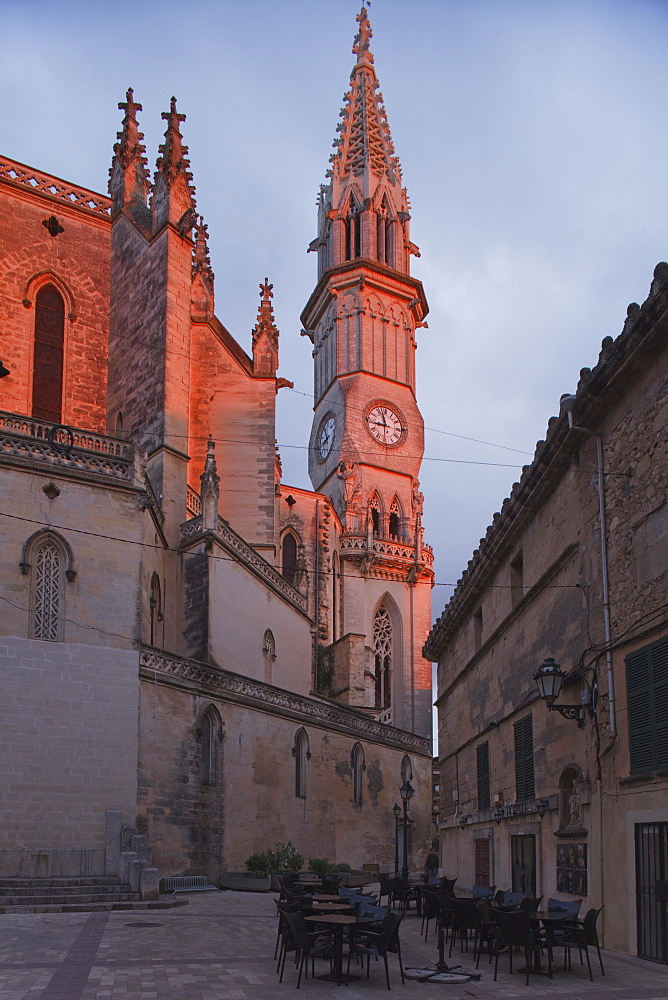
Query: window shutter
pixel 524 770
pixel 647 691
pixel 482 761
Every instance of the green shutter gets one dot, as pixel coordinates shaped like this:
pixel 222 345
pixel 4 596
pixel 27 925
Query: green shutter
pixel 647 691
pixel 524 771
pixel 482 762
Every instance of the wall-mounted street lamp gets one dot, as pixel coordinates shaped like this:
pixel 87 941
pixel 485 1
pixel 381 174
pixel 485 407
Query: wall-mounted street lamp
pixel 549 679
pixel 542 805
pixel 407 792
pixel 4 371
pixel 463 820
pixel 499 814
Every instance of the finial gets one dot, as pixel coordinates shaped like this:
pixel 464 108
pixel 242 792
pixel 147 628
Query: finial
pixel 265 333
pixel 363 37
pixel 132 181
pixel 266 291
pixel 173 154
pixel 130 106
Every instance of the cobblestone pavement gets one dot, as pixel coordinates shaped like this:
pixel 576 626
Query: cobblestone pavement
pixel 220 947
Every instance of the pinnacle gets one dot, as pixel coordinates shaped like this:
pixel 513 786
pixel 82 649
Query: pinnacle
pixel 265 323
pixel 129 150
pixel 173 154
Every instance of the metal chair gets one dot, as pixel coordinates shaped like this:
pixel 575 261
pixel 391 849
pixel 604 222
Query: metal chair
pixel 466 917
pixel 580 936
pixel 380 943
pixel 515 930
pixel 308 944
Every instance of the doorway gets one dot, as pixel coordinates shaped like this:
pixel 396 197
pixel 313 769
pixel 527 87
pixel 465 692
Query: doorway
pixel 523 858
pixel 652 890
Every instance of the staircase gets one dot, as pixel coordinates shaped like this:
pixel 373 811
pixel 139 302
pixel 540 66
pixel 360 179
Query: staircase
pixel 85 894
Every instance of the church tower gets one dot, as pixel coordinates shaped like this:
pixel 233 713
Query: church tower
pixel 367 437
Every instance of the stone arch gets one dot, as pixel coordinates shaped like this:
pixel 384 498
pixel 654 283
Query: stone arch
pixel 396 519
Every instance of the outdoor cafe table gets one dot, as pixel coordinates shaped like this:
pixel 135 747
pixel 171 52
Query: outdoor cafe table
pixel 330 907
pixel 338 921
pixel 328 898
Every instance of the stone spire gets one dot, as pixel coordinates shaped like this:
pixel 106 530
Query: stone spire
pixel 128 176
pixel 363 211
pixel 173 193
pixel 210 489
pixel 265 335
pixel 365 148
pixel 202 275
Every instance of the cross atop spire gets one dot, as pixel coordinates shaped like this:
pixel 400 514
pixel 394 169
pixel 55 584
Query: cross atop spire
pixel 363 37
pixel 173 192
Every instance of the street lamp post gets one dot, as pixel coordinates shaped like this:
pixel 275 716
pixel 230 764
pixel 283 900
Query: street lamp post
pixel 397 814
pixel 407 791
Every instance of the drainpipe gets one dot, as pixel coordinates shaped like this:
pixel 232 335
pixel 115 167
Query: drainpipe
pixel 316 589
pixel 568 404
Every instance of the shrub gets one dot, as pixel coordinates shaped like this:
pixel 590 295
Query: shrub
pixel 285 858
pixel 258 864
pixel 319 866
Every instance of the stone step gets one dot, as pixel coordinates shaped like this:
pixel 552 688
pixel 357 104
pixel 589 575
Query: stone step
pixel 167 904
pixel 37 889
pixel 60 883
pixel 61 899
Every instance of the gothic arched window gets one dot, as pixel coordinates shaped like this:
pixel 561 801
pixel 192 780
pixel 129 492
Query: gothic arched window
pixel 289 557
pixel 301 754
pixel 357 767
pixel 382 644
pixel 47 592
pixel 376 511
pixel 384 234
pixel 211 730
pixel 406 769
pixel 353 231
pixel 47 376
pixel 269 654
pixel 395 519
pixel 157 615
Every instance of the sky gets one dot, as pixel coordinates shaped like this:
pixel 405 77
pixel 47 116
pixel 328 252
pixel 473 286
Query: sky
pixel 533 137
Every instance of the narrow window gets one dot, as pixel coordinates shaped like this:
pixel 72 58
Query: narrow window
pixel 119 424
pixel 357 765
pixel 289 557
pixel 269 654
pixel 382 638
pixel 524 767
pixel 406 769
pixel 48 592
pixel 47 381
pixel 376 515
pixel 353 231
pixel 516 579
pixel 208 743
pixel 482 765
pixel 301 754
pixel 155 606
pixel 395 520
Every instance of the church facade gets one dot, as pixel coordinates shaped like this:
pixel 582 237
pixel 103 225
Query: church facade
pixel 198 659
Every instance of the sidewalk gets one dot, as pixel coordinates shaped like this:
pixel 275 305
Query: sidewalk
pixel 220 947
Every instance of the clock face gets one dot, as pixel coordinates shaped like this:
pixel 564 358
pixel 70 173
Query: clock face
pixel 384 424
pixel 326 437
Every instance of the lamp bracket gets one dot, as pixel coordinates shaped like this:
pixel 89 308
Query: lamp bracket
pixel 575 712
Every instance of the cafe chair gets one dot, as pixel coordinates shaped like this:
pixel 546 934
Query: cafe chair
pixel 431 907
pixel 308 944
pixel 483 891
pixel 385 888
pixel 530 904
pixel 515 931
pixel 466 917
pixel 580 936
pixel 283 937
pixel 380 944
pixel 487 930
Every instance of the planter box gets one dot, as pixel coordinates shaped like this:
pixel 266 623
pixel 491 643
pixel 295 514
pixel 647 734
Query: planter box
pixel 356 879
pixel 242 882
